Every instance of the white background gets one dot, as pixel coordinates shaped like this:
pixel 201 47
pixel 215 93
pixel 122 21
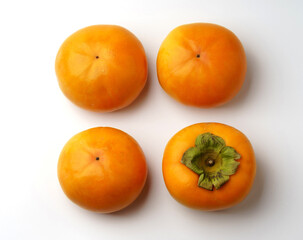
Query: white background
pixel 37 120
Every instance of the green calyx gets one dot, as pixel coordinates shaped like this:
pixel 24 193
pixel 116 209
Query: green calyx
pixel 212 160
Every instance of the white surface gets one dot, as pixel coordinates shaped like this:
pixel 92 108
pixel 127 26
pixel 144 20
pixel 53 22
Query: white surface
pixel 37 120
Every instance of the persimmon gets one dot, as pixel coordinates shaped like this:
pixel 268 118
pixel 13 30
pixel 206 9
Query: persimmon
pixel 209 166
pixel 101 68
pixel 102 169
pixel 201 64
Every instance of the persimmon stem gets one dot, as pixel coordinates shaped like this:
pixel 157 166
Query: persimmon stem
pixel 210 162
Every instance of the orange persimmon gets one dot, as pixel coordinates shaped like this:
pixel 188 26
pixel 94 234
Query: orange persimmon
pixel 102 169
pixel 201 64
pixel 209 166
pixel 101 68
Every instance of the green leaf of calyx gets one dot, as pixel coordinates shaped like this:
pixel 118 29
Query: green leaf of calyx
pixel 205 182
pixel 189 158
pixel 229 152
pixel 229 166
pixel 208 141
pixel 219 180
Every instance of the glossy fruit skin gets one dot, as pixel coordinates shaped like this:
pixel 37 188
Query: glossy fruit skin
pixel 181 182
pixel 102 169
pixel 101 68
pixel 201 64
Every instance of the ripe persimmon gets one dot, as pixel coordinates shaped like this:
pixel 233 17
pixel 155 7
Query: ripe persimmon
pixel 201 64
pixel 209 166
pixel 102 169
pixel 101 68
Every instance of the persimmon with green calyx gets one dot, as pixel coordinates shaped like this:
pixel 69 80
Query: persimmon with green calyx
pixel 102 169
pixel 209 166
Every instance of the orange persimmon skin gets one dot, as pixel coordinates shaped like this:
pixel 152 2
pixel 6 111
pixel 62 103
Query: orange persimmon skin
pixel 102 169
pixel 201 64
pixel 182 183
pixel 101 68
